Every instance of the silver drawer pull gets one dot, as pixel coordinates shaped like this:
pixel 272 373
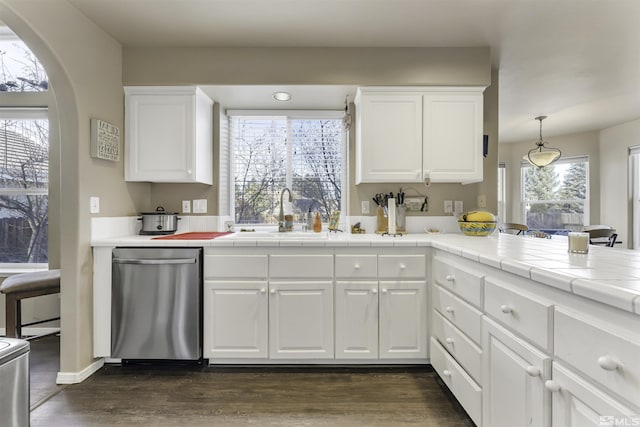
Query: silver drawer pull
pixel 608 363
pixel 450 278
pixel 446 373
pixel 374 291
pixel 533 371
pixel 356 266
pixel 449 341
pixel 448 309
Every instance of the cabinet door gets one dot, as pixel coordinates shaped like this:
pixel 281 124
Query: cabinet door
pixel 357 320
pixel 513 382
pixel 453 126
pixel 389 137
pixel 235 320
pixel 168 135
pixel 301 320
pixel 577 403
pixel 403 320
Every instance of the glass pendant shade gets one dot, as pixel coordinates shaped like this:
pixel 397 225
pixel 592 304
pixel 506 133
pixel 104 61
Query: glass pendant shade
pixel 542 155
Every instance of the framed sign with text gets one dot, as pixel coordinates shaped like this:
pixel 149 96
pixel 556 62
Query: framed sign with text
pixel 105 140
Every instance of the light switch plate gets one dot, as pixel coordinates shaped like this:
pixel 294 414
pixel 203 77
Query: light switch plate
pixel 448 206
pixel 458 206
pixel 364 207
pixel 200 206
pixel 482 201
pixel 94 204
pixel 186 206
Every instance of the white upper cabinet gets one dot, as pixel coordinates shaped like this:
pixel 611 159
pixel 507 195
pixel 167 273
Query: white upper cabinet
pixel 410 134
pixel 388 137
pixel 168 134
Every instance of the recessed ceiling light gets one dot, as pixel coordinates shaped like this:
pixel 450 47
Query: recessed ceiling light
pixel 282 96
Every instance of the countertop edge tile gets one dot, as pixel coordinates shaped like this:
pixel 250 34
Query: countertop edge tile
pixel 518 268
pixel 605 293
pixel 550 278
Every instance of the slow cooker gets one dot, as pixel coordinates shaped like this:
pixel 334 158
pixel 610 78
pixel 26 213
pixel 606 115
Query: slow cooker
pixel 159 222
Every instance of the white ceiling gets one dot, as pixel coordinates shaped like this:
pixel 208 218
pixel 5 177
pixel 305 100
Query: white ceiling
pixel 576 61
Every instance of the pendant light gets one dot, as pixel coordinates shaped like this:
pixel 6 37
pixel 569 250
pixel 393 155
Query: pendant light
pixel 542 155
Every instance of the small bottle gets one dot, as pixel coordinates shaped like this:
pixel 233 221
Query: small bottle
pixel 309 220
pixel 317 223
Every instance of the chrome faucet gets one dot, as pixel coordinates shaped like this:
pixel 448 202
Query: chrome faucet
pixel 281 226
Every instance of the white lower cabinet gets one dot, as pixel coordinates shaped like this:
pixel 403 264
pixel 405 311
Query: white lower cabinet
pixel 356 313
pixel 301 320
pixel 235 319
pixel 577 403
pixel 514 373
pixel 463 387
pixel 403 320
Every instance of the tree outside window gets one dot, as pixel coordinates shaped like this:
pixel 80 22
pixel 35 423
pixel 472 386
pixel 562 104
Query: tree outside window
pixel 24 158
pixel 555 197
pixel 271 153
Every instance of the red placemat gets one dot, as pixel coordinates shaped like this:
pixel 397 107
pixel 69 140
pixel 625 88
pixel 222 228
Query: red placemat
pixel 195 235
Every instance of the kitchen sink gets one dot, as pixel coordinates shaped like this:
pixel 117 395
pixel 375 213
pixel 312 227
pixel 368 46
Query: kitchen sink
pixel 296 235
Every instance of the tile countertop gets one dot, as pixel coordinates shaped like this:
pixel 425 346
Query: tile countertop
pixel 608 275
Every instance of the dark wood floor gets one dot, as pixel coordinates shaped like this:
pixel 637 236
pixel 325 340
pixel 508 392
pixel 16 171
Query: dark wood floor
pixel 250 396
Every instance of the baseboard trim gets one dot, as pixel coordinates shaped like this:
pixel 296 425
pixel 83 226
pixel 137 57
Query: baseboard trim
pixel 34 331
pixel 78 377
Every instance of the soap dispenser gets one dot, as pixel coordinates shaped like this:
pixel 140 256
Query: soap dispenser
pixel 317 223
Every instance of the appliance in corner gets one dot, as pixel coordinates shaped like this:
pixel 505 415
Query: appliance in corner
pixel 14 377
pixel 156 304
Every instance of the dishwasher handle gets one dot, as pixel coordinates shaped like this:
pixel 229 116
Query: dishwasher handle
pixel 150 261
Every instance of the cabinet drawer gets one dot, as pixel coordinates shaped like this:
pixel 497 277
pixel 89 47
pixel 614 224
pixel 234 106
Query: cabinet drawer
pixel 466 353
pixel 402 266
pixel 235 266
pixel 527 315
pixel 464 283
pixel 461 385
pixel 600 353
pixel 306 266
pixel 356 266
pixel 458 312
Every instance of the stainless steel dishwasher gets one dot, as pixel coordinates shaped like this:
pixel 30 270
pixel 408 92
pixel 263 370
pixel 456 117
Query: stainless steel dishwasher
pixel 156 310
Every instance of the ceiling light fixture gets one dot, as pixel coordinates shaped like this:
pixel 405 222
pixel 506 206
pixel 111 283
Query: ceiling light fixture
pixel 282 96
pixel 542 155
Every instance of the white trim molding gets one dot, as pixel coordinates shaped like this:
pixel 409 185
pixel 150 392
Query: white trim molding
pixel 78 377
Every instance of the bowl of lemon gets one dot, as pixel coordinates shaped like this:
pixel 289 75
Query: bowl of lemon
pixel 477 223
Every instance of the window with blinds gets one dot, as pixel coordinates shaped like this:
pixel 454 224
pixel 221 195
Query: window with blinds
pixel 270 153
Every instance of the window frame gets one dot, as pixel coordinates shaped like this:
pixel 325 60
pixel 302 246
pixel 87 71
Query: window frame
pixel 290 115
pixel 564 160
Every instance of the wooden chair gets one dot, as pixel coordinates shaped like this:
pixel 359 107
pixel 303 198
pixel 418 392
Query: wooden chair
pixel 26 285
pixel 601 235
pixel 513 228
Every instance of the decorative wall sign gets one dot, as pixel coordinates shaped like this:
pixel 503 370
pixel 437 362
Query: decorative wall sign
pixel 334 220
pixel 105 140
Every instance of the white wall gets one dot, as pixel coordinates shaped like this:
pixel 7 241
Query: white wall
pixel 614 182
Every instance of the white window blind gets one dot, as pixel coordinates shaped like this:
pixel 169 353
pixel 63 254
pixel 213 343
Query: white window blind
pixel 304 154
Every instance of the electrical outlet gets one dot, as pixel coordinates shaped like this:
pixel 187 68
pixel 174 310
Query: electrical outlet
pixel 458 206
pixel 482 201
pixel 448 206
pixel 228 225
pixel 364 207
pixel 186 206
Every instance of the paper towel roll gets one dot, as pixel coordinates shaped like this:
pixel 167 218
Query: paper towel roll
pixel 391 215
